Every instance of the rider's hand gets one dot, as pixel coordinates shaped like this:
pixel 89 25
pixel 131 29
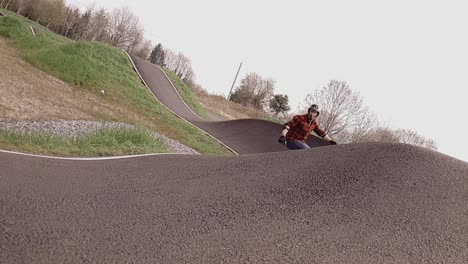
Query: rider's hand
pixel 332 142
pixel 282 140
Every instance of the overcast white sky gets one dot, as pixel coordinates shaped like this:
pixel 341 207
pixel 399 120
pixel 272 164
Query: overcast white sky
pixel 407 58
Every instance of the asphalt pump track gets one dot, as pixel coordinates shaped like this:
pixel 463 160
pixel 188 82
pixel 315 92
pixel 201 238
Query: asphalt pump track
pixel 354 203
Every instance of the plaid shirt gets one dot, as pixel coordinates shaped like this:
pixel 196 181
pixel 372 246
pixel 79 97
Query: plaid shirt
pixel 300 128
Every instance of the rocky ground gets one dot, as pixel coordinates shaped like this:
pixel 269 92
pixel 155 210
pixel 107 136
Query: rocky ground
pixel 77 127
pixel 32 100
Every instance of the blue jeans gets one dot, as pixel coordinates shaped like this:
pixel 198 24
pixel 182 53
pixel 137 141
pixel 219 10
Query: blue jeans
pixel 296 144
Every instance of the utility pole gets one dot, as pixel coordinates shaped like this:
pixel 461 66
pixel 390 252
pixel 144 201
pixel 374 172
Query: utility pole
pixel 229 95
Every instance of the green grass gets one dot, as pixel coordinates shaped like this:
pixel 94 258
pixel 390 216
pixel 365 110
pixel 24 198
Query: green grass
pixel 95 66
pixel 10 27
pixel 89 64
pixel 22 18
pixel 102 142
pixel 186 94
pixel 7 12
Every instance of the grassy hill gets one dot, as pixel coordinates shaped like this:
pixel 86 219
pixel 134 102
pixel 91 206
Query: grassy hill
pixel 92 67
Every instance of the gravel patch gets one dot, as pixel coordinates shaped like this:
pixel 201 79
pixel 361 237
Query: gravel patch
pixel 176 146
pixel 77 127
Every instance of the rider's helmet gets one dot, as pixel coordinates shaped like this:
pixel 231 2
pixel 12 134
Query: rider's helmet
pixel 314 108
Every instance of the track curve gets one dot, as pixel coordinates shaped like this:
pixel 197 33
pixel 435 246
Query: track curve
pixel 244 136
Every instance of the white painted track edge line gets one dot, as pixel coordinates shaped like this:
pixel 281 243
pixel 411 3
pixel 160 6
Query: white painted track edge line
pixel 141 78
pixel 177 92
pixel 90 158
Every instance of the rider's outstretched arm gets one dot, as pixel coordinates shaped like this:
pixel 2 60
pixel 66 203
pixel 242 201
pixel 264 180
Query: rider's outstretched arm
pixel 282 138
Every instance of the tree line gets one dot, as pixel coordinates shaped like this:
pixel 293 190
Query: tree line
pixel 122 29
pixel 344 116
pixel 258 92
pixel 342 111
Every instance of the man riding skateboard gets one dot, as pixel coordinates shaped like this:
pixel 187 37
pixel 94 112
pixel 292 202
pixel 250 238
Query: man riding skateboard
pixel 296 131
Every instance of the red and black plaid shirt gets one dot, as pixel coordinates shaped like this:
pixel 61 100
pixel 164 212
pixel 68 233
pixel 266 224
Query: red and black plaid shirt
pixel 301 126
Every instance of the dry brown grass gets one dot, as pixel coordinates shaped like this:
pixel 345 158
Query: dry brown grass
pixel 27 93
pixel 226 109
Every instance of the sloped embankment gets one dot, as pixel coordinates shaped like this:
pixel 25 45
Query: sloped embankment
pixel 105 86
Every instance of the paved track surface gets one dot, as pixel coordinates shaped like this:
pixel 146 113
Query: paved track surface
pixel 356 203
pixel 245 136
pixel 363 203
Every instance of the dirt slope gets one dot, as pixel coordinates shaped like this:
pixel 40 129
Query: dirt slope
pixel 29 93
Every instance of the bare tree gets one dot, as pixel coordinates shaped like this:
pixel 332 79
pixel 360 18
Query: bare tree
pixel 189 75
pixel 179 64
pixel 53 13
pixel 382 134
pixel 134 42
pixel 342 112
pixel 98 26
pixel 12 5
pixel 180 58
pixel 73 17
pixel 386 134
pixel 413 138
pixel 8 5
pixel 343 115
pixel 144 49
pixel 30 9
pixel 124 28
pixel 184 66
pixel 361 130
pixel 59 17
pixel 254 91
pixel 82 24
pixel 171 59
